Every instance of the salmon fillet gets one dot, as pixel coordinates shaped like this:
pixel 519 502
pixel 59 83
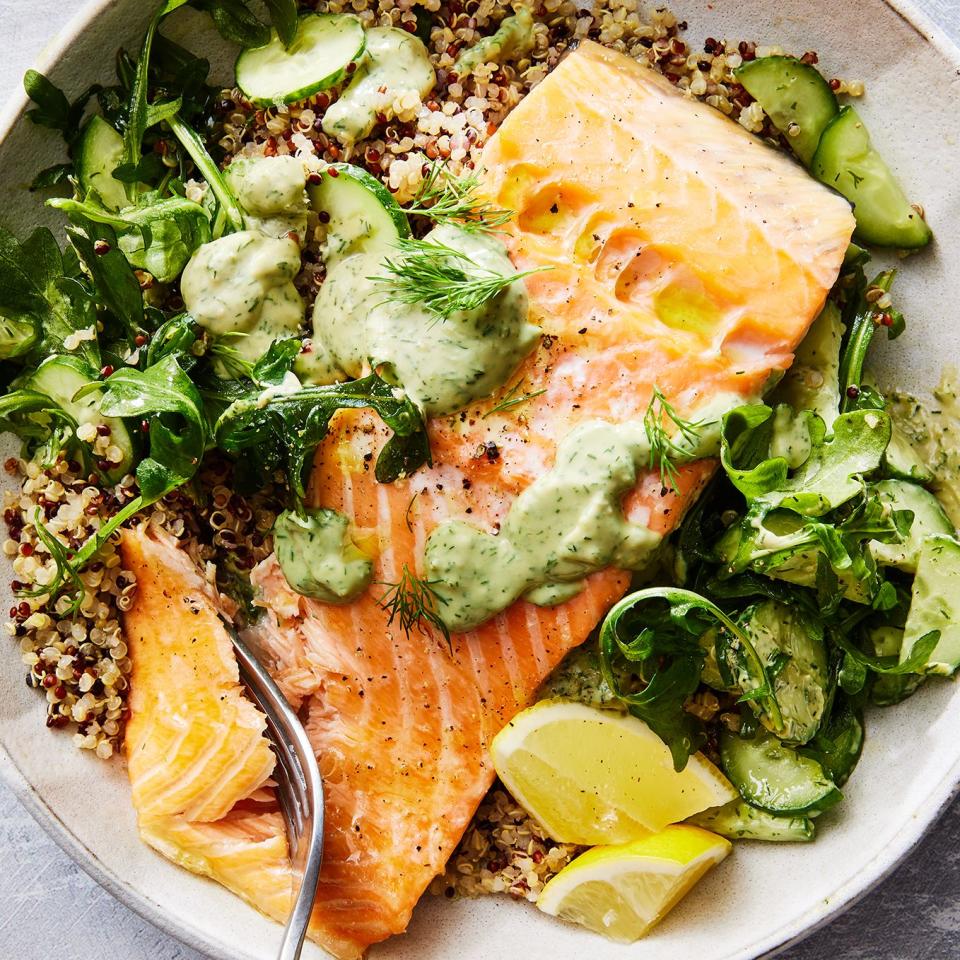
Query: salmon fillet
pixel 685 255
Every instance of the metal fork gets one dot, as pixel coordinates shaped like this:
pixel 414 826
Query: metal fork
pixel 299 789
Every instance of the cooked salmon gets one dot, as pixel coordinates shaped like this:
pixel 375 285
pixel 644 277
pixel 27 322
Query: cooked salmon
pixel 686 255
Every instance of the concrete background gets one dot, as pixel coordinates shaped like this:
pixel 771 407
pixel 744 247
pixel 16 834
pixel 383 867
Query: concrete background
pixel 50 908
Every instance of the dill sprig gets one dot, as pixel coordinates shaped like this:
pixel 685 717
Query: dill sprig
pixel 511 400
pixel 414 603
pixel 665 448
pixel 445 198
pixel 444 280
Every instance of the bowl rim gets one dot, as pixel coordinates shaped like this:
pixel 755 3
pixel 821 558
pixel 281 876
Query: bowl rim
pixel 846 894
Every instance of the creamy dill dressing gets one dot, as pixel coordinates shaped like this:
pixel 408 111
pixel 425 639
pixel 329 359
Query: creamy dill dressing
pixel 395 74
pixel 566 525
pixel 443 364
pixel 242 284
pixel 318 556
pixel 272 192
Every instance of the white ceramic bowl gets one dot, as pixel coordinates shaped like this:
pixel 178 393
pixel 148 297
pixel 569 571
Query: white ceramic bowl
pixel 762 897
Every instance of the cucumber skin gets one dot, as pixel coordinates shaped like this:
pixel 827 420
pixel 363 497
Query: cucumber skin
pixel 754 786
pixel 301 93
pixel 755 75
pixel 740 820
pixel 831 162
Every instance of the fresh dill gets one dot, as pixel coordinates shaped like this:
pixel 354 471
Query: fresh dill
pixel 668 448
pixel 511 400
pixel 414 603
pixel 408 514
pixel 445 198
pixel 444 280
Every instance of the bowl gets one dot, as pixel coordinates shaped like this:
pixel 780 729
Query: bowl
pixel 762 897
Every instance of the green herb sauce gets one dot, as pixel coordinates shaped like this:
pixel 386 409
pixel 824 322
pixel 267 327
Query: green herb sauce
pixel 242 285
pixel 272 192
pixel 443 365
pixel 318 556
pixel 563 527
pixel 396 68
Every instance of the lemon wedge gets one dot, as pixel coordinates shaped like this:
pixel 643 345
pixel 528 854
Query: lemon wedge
pixel 625 890
pixel 594 776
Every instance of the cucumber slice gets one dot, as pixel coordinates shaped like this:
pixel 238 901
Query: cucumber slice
pixel 795 96
pixel 99 153
pixel 319 57
pixel 738 820
pixel 847 161
pixel 363 215
pixel 60 377
pixel 928 518
pixel 774 777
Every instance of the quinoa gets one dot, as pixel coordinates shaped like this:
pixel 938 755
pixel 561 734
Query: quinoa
pixel 503 851
pixel 73 646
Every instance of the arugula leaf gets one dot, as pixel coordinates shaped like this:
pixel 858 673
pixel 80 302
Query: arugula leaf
pixel 829 477
pixel 286 428
pixel 52 106
pixel 39 302
pixel 766 541
pixel 235 22
pixel 41 423
pixel 51 176
pixel 271 369
pixel 115 281
pixel 919 655
pixel 283 16
pixel 167 397
pixel 662 646
pixel 173 338
pixel 157 234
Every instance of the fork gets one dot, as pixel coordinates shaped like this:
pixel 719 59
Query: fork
pixel 299 789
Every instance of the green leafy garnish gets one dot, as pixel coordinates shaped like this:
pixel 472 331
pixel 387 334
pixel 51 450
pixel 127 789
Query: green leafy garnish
pixel 445 198
pixel 830 476
pixel 444 280
pixel 668 447
pixel 414 603
pixel 656 631
pixel 282 430
pixel 157 234
pixel 513 398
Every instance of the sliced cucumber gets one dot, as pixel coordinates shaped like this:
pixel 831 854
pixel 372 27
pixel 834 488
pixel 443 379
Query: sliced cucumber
pixel 889 689
pixel 363 215
pixel 775 777
pixel 928 518
pixel 935 605
pixel 901 461
pixel 319 57
pixel 99 153
pixel 793 650
pixel 60 378
pixel 739 820
pixel 847 161
pixel 795 96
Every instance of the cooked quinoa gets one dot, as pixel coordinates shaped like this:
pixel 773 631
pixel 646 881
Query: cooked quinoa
pixel 78 657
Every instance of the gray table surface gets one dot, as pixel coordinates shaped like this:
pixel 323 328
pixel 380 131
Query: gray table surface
pixel 50 908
